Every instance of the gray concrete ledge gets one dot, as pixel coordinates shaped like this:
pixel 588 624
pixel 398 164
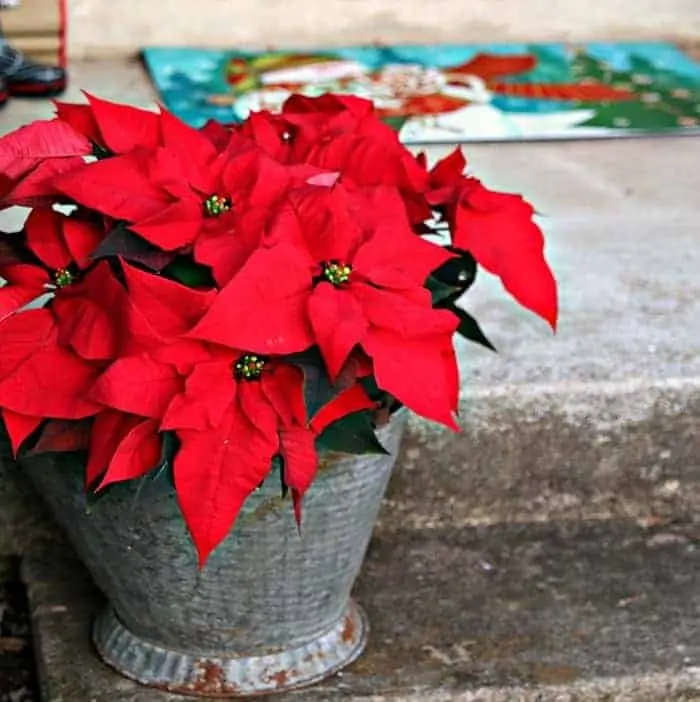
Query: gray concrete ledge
pixel 559 611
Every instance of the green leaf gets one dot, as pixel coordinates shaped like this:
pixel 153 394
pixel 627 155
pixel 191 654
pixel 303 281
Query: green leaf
pixel 352 434
pixel 319 390
pixel 395 122
pixel 459 272
pixel 441 291
pixel 100 152
pixel 449 282
pixel 170 445
pixel 185 270
pixel 386 400
pixel 131 247
pixel 469 328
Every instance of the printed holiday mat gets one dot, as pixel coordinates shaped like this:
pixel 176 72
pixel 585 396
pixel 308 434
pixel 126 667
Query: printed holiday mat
pixel 452 93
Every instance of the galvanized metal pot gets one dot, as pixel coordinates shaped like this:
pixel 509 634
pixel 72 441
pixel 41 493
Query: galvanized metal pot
pixel 270 611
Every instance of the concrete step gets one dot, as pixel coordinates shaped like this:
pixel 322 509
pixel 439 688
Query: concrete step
pixel 563 611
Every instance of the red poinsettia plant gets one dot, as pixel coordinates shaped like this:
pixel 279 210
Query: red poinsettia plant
pixel 227 303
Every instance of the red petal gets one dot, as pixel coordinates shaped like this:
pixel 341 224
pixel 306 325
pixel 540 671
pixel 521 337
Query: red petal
pixel 406 312
pixel 226 251
pixel 138 385
pixel 191 143
pixel 91 314
pixel 185 354
pixel 217 133
pixel 28 146
pixel 420 373
pixel 14 297
pixel 23 335
pixel 253 403
pixel 87 327
pixel 402 260
pixel 60 435
pixel 108 431
pixel 215 471
pixel 79 117
pixel 170 308
pixel 36 189
pixel 209 391
pixel 44 232
pixel 328 222
pixel 124 128
pixel 53 382
pixel 174 226
pixel 82 238
pixel 283 386
pixel 354 399
pixel 531 282
pixel 339 324
pixel 26 275
pixel 446 177
pixel 137 454
pixel 19 427
pixel 263 309
pixel 296 501
pixel 497 229
pixel 116 187
pixel 298 449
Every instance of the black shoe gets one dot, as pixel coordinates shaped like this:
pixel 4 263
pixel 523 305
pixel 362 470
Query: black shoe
pixel 3 93
pixel 26 78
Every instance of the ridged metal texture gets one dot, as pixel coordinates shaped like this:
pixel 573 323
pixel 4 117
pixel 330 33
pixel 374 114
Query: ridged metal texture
pixel 271 609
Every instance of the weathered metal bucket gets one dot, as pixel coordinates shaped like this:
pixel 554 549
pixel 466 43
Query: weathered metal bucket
pixel 270 611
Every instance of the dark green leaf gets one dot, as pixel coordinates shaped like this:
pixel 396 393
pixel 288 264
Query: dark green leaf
pixel 185 270
pixel 169 447
pixel 371 388
pixel 353 434
pixel 441 291
pixel 131 247
pixel 318 388
pixel 449 282
pixel 13 249
pixel 469 328
pixel 161 475
pixel 395 122
pixel 100 152
pixel 278 466
pixel 459 272
pixel 387 402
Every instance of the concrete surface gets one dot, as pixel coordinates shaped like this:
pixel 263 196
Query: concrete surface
pixel 557 611
pixel 99 28
pixel 550 551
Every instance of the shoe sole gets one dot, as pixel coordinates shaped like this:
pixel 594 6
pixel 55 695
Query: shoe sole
pixel 37 90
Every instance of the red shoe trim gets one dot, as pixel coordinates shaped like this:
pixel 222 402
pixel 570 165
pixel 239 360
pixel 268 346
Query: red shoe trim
pixel 36 88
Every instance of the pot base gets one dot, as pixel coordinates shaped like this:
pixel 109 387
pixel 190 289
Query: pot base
pixel 230 677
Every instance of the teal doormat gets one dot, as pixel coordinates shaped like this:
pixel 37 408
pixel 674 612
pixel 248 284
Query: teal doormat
pixel 440 93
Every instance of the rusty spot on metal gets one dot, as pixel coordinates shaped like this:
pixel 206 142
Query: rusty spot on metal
pixel 348 633
pixel 280 678
pixel 210 682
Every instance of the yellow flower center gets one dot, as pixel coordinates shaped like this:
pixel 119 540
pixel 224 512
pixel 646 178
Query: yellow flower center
pixel 216 205
pixel 249 367
pixel 337 273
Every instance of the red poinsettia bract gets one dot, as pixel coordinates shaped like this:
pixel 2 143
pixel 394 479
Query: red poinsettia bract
pixel 216 299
